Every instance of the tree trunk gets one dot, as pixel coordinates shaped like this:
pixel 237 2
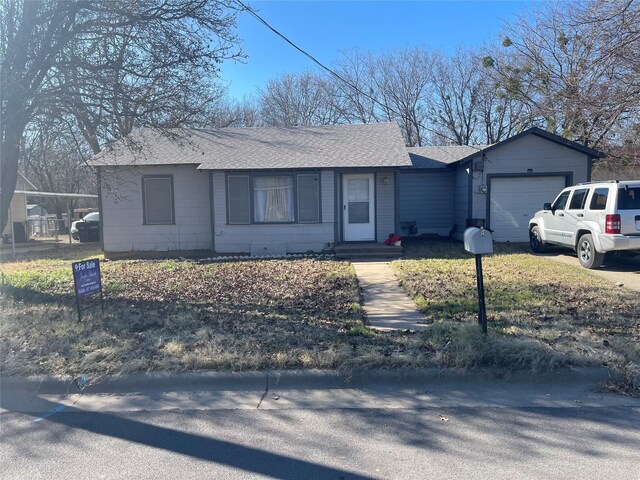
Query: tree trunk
pixel 15 111
pixel 9 152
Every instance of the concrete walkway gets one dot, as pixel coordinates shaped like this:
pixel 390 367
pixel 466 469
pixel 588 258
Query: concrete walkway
pixel 385 303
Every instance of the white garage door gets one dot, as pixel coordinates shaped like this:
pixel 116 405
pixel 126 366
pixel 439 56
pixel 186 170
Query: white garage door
pixel 513 202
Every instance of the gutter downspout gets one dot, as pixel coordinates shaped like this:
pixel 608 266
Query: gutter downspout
pixel 212 214
pixel 102 217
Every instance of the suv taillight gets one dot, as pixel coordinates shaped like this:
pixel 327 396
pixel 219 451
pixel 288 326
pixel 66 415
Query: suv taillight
pixel 612 224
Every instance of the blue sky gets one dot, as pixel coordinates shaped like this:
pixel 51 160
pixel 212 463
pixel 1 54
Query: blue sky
pixel 325 28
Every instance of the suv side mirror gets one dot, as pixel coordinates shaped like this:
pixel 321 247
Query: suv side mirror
pixel 547 206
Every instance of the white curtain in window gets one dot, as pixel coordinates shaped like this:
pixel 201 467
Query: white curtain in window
pixel 273 199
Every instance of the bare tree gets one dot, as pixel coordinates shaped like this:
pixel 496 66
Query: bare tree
pixel 575 67
pixel 108 63
pixel 233 113
pixel 403 82
pixel 355 98
pixel 298 100
pixel 391 87
pixel 53 158
pixel 502 114
pixel 456 103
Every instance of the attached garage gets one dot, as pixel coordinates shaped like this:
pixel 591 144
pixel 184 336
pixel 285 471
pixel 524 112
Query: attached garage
pixel 501 186
pixel 514 200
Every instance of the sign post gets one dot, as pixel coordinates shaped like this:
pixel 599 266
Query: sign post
pixel 87 281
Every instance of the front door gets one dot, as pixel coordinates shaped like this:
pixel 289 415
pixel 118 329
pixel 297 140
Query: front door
pixel 358 207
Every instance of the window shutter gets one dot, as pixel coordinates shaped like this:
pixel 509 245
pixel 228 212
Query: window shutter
pixel 158 200
pixel 238 199
pixel 308 198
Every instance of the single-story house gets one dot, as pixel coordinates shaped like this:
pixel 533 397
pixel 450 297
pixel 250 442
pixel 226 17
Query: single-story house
pixel 35 210
pixel 265 191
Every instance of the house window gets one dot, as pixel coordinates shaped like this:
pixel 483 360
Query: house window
pixel 273 199
pixel 157 199
pixel 238 199
pixel 308 198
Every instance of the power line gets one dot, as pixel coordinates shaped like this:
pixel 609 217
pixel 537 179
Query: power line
pixel 254 14
pixel 312 58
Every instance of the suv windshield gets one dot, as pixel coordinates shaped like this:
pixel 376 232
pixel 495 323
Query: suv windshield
pixel 92 217
pixel 629 198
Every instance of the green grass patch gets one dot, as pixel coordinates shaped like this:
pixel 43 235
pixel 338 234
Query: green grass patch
pixel 360 330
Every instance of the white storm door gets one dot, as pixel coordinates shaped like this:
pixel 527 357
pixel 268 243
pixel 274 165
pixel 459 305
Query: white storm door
pixel 358 207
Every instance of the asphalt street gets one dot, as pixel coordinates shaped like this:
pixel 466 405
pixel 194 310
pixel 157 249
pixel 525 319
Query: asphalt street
pixel 451 429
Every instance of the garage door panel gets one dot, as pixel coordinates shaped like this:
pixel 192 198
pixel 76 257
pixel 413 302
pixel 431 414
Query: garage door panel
pixel 514 200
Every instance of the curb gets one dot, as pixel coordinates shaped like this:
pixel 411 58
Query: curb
pixel 295 380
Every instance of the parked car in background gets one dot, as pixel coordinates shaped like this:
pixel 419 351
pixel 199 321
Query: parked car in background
pixel 87 229
pixel 591 218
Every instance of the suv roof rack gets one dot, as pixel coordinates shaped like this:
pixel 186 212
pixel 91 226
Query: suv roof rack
pixel 599 181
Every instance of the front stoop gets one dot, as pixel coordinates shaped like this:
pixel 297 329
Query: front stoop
pixel 363 251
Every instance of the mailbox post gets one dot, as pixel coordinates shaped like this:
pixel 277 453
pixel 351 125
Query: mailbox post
pixel 479 241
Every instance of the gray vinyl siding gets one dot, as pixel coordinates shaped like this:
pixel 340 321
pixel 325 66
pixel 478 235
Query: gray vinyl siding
pixel 273 239
pixel 385 205
pixel 460 200
pixel 122 211
pixel 427 199
pixel 533 153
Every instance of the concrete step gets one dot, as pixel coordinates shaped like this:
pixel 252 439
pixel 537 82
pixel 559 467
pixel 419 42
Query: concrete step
pixel 355 255
pixel 368 247
pixel 363 251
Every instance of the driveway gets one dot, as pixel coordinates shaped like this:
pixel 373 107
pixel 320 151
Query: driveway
pixel 616 268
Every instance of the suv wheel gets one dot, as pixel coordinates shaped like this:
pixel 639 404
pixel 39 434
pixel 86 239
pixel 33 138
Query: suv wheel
pixel 535 240
pixel 587 254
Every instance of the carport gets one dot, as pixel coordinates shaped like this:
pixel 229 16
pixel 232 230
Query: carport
pixel 30 193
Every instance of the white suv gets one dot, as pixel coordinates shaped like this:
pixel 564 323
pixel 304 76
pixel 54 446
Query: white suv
pixel 591 218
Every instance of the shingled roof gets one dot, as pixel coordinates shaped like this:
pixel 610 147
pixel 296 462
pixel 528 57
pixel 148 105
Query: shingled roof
pixel 442 156
pixel 336 146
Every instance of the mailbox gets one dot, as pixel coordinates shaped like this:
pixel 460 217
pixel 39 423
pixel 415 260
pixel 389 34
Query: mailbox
pixel 478 241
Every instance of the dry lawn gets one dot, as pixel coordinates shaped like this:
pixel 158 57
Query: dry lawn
pixel 549 311
pixel 182 315
pixel 178 315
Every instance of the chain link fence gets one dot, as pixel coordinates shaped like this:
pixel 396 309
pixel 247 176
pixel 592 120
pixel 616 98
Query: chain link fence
pixel 47 227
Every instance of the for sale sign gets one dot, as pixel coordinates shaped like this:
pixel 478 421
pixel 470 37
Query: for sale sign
pixel 86 277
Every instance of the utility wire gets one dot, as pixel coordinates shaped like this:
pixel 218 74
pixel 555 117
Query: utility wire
pixel 254 14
